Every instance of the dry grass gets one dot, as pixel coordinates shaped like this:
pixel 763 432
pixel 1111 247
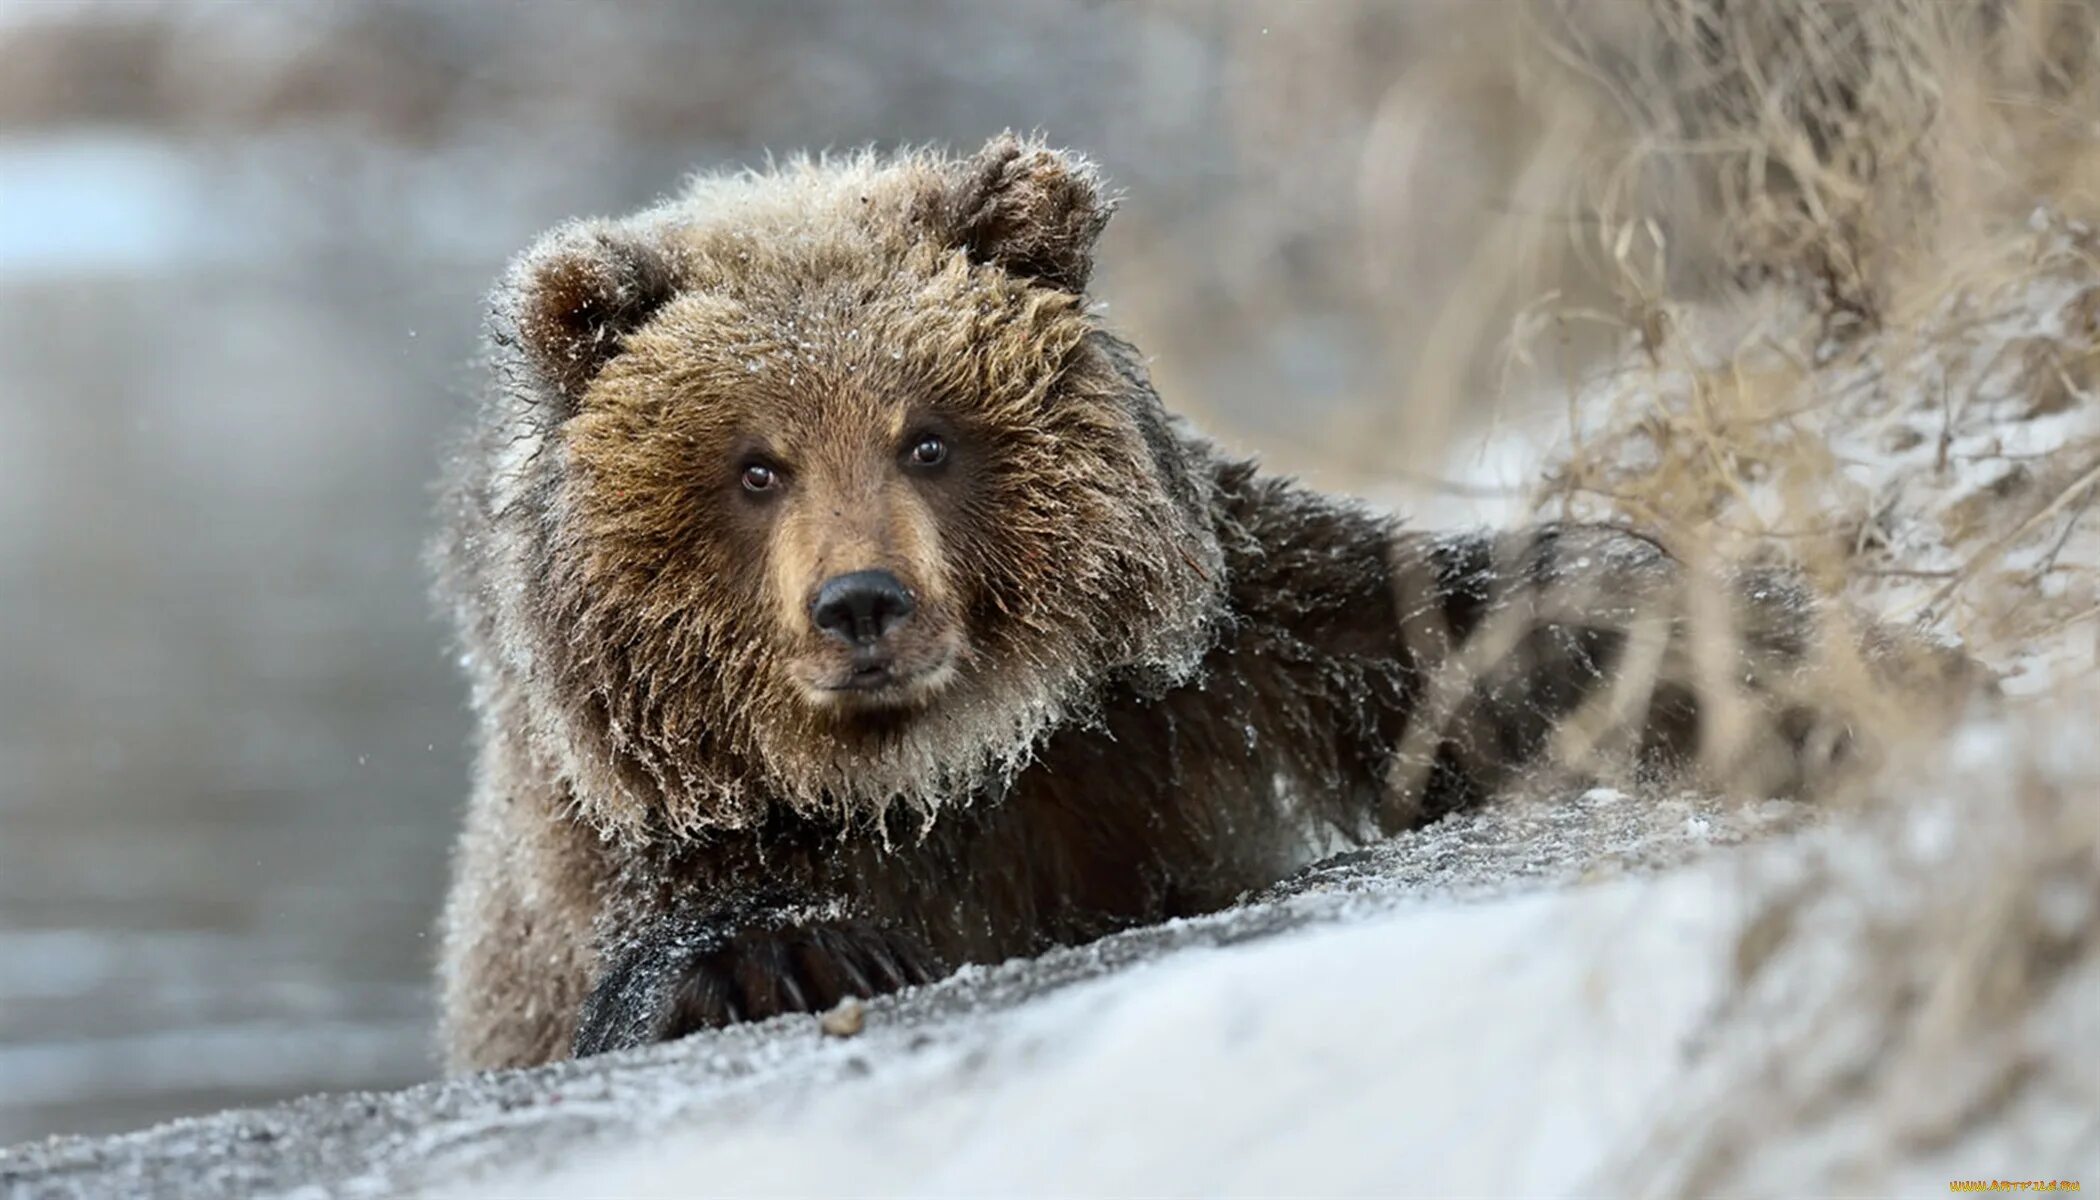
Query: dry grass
pixel 1821 223
pixel 1854 263
pixel 1913 996
pixel 1815 287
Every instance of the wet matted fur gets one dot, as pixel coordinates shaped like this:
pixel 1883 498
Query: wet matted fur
pixel 1139 677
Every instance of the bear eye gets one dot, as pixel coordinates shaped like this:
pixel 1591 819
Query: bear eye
pixel 760 477
pixel 929 451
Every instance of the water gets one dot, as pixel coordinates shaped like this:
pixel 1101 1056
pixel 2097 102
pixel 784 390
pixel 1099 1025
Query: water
pixel 231 746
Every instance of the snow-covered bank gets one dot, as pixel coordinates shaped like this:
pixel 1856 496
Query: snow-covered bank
pixel 1502 1047
pixel 1811 997
pixel 1539 999
pixel 1378 977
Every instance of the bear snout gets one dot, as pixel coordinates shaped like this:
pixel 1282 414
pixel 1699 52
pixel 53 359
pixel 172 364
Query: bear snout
pixel 860 608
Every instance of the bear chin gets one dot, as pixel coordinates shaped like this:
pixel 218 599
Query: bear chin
pixel 950 748
pixel 850 685
pixel 916 744
pixel 880 689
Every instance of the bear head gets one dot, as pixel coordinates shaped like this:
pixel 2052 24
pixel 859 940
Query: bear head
pixel 822 487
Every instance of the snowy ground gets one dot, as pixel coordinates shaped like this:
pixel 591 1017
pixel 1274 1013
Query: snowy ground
pixel 1539 999
pixel 1423 1016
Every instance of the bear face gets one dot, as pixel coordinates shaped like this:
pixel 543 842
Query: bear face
pixel 793 475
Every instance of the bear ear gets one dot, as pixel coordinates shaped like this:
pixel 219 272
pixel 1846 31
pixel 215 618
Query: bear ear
pixel 1024 207
pixel 576 296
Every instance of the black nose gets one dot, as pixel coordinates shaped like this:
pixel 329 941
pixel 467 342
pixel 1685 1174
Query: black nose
pixel 860 607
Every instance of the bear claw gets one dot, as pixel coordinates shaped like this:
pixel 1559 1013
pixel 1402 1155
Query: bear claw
pixel 670 987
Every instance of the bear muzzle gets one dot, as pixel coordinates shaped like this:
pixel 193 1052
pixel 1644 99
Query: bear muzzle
pixel 881 648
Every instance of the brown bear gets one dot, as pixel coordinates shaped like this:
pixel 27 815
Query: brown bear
pixel 841 606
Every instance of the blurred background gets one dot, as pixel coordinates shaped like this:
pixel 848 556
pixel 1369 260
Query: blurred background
pixel 243 252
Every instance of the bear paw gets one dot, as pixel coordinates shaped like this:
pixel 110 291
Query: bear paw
pixel 668 987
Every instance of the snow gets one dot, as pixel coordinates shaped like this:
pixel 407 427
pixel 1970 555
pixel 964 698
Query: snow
pixel 1542 998
pixel 1579 1040
pixel 1405 1055
pixel 1391 989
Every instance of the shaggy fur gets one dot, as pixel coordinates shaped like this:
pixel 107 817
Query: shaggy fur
pixel 1138 678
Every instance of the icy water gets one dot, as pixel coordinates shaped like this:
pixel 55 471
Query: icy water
pixel 231 744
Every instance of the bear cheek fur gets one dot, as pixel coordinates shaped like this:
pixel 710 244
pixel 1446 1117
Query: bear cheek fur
pixel 655 585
